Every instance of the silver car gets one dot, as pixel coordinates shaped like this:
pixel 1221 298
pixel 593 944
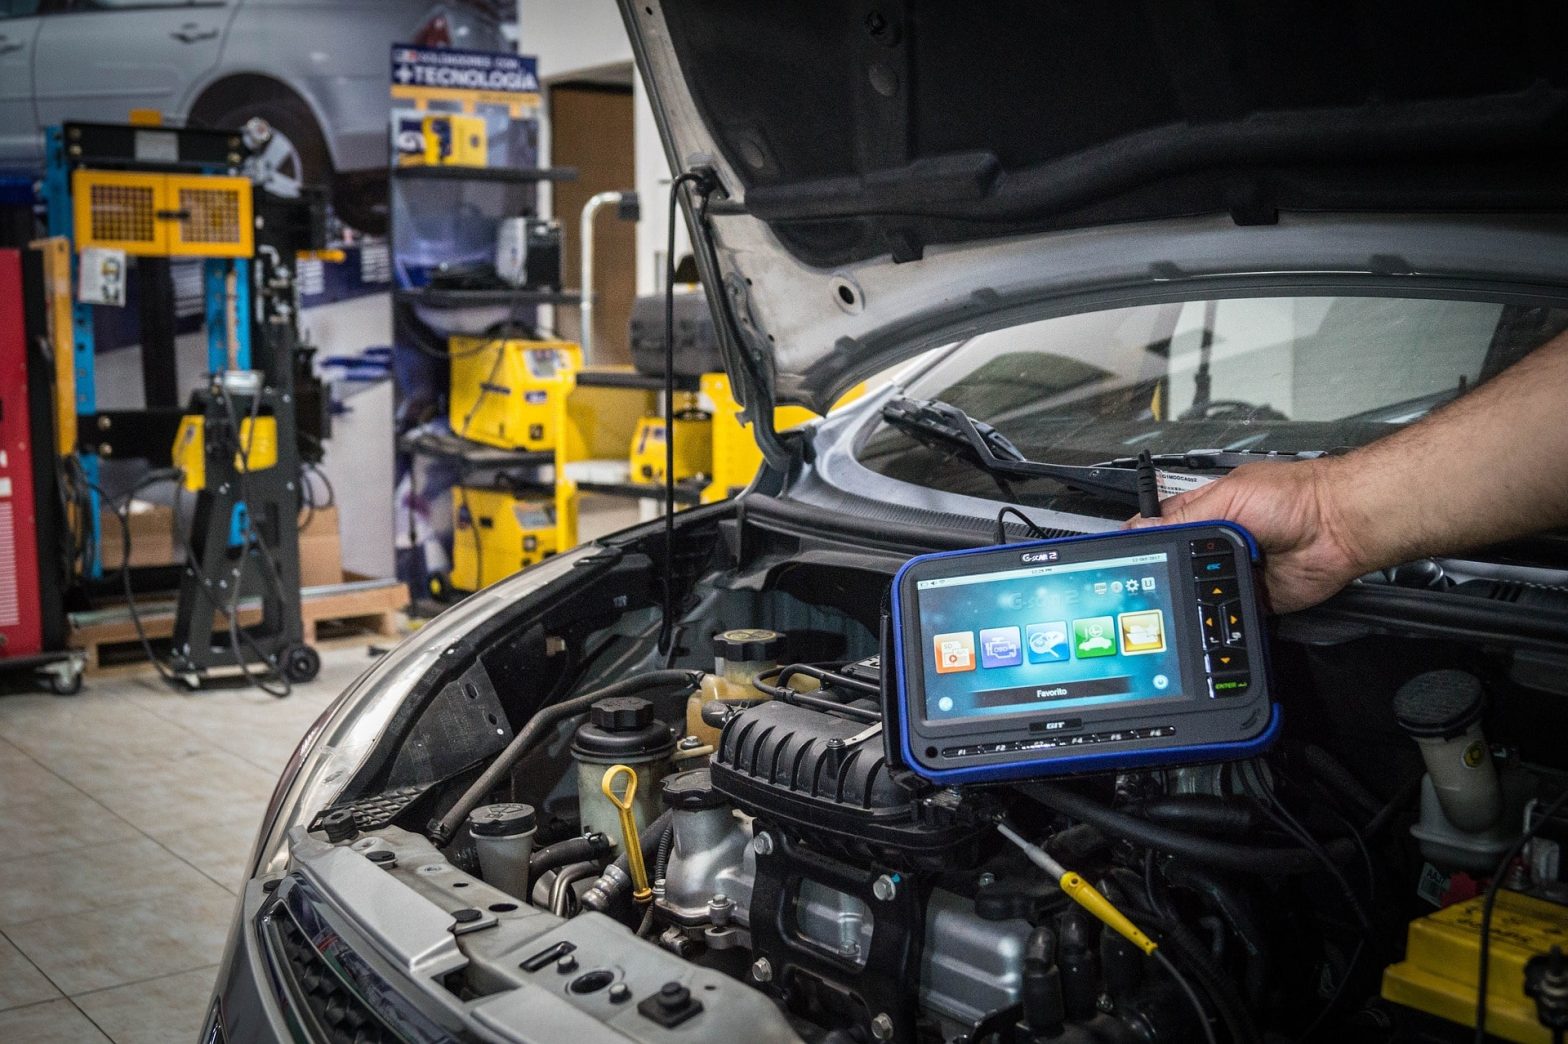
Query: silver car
pixel 317 71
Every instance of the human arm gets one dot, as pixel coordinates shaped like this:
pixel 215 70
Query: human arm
pixel 1490 466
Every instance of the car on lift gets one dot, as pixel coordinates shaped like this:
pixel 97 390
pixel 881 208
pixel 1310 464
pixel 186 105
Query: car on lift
pixel 316 71
pixel 1217 234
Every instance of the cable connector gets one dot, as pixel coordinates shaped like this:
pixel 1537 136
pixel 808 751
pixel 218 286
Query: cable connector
pixel 1081 892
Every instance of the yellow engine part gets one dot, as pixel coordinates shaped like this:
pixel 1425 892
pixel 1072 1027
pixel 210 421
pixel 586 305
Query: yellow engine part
pixel 693 447
pixel 504 391
pixel 455 140
pixel 736 456
pixel 260 442
pixel 495 533
pixel 164 215
pixel 1442 956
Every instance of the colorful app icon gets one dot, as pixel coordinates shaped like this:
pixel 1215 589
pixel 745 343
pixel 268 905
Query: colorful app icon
pixel 1142 632
pixel 1047 642
pixel 1094 636
pixel 955 652
pixel 999 647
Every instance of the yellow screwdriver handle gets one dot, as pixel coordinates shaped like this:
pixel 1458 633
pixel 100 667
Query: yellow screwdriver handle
pixel 1084 894
pixel 623 804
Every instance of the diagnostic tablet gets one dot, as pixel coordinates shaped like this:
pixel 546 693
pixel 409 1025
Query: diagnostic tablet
pixel 1138 647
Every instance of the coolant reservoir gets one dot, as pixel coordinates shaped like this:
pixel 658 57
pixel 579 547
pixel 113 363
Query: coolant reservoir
pixel 738 656
pixel 620 730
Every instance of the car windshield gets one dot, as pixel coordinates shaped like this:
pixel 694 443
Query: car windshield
pixel 1285 374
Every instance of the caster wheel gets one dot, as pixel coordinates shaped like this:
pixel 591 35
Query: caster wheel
pixel 440 587
pixel 301 664
pixel 65 683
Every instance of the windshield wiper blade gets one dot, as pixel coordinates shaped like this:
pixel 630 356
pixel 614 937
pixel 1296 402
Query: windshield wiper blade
pixel 1217 459
pixel 934 420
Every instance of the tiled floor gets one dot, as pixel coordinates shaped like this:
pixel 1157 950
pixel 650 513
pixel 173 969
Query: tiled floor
pixel 126 817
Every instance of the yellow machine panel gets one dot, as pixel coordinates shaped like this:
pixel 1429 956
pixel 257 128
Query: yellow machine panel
pixel 163 215
pixel 504 391
pixel 190 448
pixel 1438 974
pixel 495 533
pixel 455 140
pixel 736 457
pixel 693 447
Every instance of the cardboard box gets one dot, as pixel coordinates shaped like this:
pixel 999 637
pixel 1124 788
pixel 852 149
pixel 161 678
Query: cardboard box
pixel 152 542
pixel 321 550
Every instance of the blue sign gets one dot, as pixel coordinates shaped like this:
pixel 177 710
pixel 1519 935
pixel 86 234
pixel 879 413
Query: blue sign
pixel 446 68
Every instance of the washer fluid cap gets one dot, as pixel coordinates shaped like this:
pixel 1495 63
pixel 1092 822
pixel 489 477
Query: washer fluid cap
pixel 1439 704
pixel 506 819
pixel 692 792
pixel 747 644
pixel 622 727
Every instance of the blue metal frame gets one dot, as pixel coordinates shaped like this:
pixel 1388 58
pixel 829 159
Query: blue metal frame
pixel 1087 762
pixel 61 222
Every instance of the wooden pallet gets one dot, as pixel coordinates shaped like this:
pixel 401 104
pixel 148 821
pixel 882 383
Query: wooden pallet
pixel 355 606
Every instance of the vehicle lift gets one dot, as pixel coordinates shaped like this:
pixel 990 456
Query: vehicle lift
pixel 158 193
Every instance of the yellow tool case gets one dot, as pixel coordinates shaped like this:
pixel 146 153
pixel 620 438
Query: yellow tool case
pixel 693 447
pixel 508 392
pixel 496 532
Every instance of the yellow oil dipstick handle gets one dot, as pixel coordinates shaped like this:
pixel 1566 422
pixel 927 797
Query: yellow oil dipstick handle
pixel 641 893
pixel 1081 892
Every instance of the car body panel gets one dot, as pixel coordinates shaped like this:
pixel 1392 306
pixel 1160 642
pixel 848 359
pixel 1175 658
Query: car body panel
pixel 826 252
pixel 168 57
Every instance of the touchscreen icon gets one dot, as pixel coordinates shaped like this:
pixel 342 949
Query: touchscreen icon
pixel 955 652
pixel 999 647
pixel 1142 632
pixel 1148 583
pixel 1047 641
pixel 1092 636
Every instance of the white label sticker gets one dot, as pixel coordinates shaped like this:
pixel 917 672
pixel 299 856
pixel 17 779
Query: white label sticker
pixel 1433 884
pixel 153 146
pixel 103 277
pixel 1170 483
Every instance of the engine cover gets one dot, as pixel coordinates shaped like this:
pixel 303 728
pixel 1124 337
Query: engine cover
pixel 818 777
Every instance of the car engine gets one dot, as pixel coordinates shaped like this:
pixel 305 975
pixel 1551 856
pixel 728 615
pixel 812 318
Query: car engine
pixel 734 850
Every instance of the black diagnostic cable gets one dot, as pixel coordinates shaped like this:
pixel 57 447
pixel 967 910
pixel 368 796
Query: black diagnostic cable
pixel 1001 527
pixel 121 514
pixel 1490 903
pixel 704 184
pixel 1148 486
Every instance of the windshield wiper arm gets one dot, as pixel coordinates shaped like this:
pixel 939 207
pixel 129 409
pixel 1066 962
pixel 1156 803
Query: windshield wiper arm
pixel 934 420
pixel 1216 459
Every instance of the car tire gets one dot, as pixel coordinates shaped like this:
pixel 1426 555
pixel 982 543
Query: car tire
pixel 298 151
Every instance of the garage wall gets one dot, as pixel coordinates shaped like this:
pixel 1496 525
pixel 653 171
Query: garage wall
pixel 584 40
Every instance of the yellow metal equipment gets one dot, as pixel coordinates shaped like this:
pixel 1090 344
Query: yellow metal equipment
pixel 495 533
pixel 163 215
pixel 504 392
pixel 693 447
pixel 736 457
pixel 259 440
pixel 1438 974
pixel 455 140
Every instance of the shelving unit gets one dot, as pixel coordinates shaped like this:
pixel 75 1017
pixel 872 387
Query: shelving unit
pixel 506 175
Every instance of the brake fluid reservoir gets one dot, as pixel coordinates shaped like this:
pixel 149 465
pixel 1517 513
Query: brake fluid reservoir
pixel 1441 711
pixel 738 656
pixel 620 730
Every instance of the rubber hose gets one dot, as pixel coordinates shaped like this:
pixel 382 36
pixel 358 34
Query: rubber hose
pixel 1235 911
pixel 1203 813
pixel 1222 993
pixel 1224 854
pixel 661 861
pixel 1331 771
pixel 593 847
pixel 443 830
pixel 611 888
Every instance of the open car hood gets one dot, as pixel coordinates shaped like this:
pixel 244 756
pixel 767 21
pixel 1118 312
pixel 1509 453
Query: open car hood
pixel 896 172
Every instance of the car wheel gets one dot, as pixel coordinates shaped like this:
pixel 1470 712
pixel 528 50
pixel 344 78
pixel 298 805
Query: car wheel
pixel 295 155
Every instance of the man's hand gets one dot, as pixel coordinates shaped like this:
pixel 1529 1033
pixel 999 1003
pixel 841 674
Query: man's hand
pixel 1290 509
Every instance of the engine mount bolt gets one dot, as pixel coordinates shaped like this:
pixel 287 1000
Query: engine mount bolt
pixel 885 888
pixel 762 844
pixel 882 1027
pixel 761 970
pixel 720 909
